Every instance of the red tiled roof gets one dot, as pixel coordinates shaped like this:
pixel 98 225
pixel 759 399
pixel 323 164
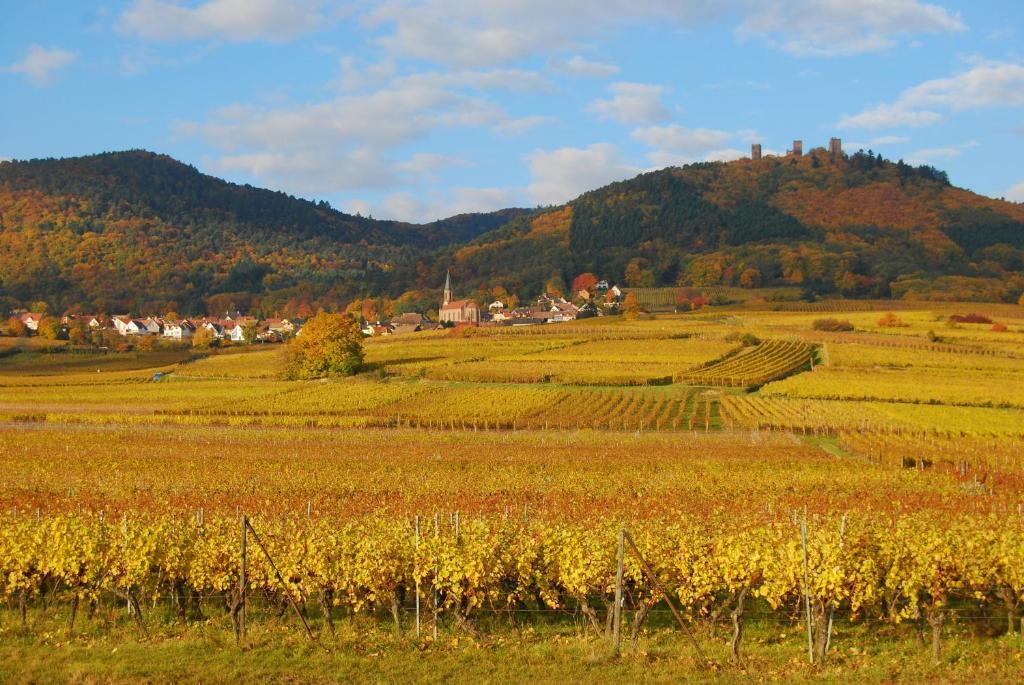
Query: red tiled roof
pixel 459 304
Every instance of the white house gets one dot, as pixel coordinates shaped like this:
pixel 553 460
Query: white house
pixel 135 327
pixel 121 324
pixel 31 320
pixel 234 332
pixel 179 330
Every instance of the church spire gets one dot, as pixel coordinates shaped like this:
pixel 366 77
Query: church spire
pixel 447 288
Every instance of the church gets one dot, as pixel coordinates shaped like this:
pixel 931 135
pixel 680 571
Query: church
pixel 457 311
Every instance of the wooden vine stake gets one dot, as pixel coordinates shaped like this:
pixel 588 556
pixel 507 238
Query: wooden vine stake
pixel 628 539
pixel 280 578
pixel 617 609
pixel 807 591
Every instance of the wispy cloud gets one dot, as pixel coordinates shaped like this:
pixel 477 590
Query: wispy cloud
pixel 580 66
pixel 40 64
pixel 843 27
pixel 633 103
pixel 562 174
pixel 233 20
pixel 986 84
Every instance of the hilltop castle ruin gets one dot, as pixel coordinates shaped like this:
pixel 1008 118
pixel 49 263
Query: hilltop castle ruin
pixel 835 149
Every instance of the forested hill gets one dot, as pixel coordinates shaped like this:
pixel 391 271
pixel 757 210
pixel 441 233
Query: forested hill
pixel 140 231
pixel 854 226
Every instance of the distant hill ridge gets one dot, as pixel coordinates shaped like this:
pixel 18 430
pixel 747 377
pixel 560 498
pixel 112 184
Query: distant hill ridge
pixel 140 231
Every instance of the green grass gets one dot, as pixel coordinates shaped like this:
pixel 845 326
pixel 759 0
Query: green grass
pixel 109 649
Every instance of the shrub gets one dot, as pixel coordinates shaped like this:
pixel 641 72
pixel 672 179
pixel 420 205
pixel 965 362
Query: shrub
pixel 831 324
pixel 890 320
pixel 999 327
pixel 745 339
pixel 974 317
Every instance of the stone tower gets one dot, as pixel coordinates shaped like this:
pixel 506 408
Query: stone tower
pixel 755 151
pixel 798 148
pixel 447 288
pixel 835 148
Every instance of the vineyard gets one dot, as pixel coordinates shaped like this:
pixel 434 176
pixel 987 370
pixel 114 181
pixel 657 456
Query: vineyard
pixel 473 487
pixel 756 365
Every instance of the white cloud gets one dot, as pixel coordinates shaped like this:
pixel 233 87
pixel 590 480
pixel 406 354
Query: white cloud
pixel 889 116
pixel 877 141
pixel 408 207
pixel 234 20
pixel 521 125
pixel 632 103
pixel 426 162
pixel 311 173
pixel 889 140
pixel 680 139
pixel 580 66
pixel 560 175
pixel 985 84
pixel 725 155
pixel 675 145
pixel 358 140
pixel 828 28
pixel 40 63
pixel 503 31
pixel 930 155
pixel 1015 193
pixel 492 32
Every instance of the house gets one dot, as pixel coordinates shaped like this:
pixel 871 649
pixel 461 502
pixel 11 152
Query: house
pixel 457 311
pixel 31 320
pixel 233 331
pixel 563 311
pixel 135 327
pixel 215 328
pixel 496 306
pixel 402 328
pixel 153 326
pixel 120 324
pixel 601 285
pixel 179 330
pixel 409 318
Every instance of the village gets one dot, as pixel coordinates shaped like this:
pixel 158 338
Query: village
pixel 602 299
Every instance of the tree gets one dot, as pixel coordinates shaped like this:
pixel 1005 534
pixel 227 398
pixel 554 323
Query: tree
pixel 16 327
pixel 750 278
pixel 146 343
pixel 78 333
pixel 204 338
pixel 585 281
pixel 50 328
pixel 555 287
pixel 631 308
pixel 330 345
pixel 249 331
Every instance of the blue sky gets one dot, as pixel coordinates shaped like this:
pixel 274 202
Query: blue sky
pixel 417 110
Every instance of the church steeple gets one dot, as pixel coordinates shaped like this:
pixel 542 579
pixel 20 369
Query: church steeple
pixel 447 288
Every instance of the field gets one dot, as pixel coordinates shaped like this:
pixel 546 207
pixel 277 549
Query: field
pixel 453 513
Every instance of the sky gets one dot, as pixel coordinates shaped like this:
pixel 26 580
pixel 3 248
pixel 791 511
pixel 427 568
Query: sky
pixel 420 109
